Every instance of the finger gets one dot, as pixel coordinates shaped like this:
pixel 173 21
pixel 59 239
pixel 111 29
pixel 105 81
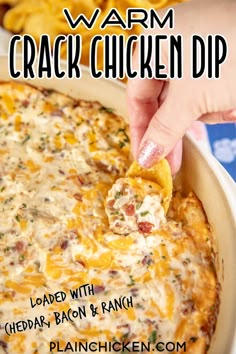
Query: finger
pixel 142 101
pixel 175 158
pixel 198 131
pixel 163 93
pixel 165 129
pixel 219 117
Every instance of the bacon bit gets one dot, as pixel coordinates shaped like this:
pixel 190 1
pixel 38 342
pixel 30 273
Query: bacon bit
pixel 80 180
pixel 98 289
pixel 19 247
pixel 130 210
pixel 78 197
pixel 57 113
pixel 64 245
pixel 102 166
pixel 12 263
pixel 80 262
pixel 189 307
pixel 145 227
pixel 25 103
pixel 106 168
pixel 124 326
pixel 205 329
pixel 4 346
pixel 101 318
pixel 147 260
pixel 134 292
pixel 113 272
pixel 111 203
pixel 117 224
pixel 4 8
pixel 61 172
pixel 149 322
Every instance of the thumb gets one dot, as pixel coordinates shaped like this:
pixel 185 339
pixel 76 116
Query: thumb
pixel 166 128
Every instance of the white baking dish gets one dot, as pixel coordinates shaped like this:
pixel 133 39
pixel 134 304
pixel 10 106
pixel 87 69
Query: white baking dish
pixel 201 173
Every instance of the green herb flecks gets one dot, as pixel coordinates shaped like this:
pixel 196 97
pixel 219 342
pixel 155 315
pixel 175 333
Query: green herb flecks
pixel 115 212
pixel 125 336
pixel 121 144
pixel 125 137
pixel 21 258
pixel 144 213
pixel 17 217
pixel 153 337
pixel 106 109
pixel 26 139
pixel 118 195
pixel 138 205
pixel 132 281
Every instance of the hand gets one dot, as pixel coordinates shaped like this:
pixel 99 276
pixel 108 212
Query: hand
pixel 161 111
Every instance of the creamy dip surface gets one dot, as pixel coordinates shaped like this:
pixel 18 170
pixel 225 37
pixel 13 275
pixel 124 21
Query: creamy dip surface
pixel 134 204
pixel 59 158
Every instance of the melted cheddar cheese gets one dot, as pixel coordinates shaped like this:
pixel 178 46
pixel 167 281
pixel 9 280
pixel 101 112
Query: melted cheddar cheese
pixel 59 157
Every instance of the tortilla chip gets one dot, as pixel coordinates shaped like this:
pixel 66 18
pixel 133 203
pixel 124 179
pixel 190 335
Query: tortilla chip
pixel 160 173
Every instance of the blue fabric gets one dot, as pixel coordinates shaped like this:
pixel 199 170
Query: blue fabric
pixel 222 139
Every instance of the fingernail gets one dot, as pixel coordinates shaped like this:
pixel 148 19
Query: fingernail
pixel 230 116
pixel 149 154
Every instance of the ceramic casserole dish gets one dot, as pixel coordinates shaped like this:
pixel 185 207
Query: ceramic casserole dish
pixel 200 172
